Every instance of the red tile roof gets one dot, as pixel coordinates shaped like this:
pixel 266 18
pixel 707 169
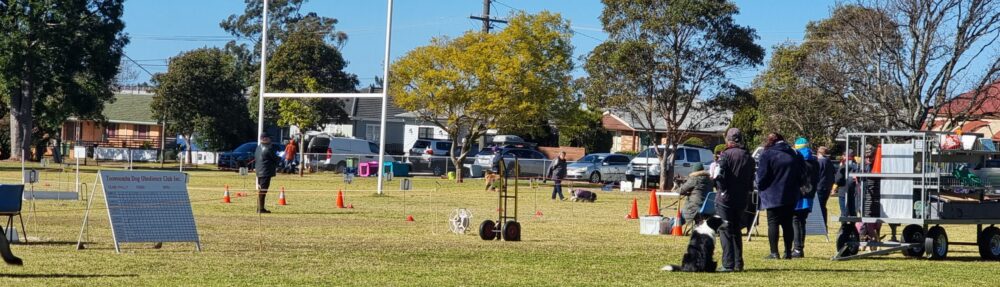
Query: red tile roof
pixel 988 103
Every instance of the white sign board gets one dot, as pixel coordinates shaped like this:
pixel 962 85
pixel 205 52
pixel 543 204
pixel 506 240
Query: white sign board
pixel 79 152
pixel 149 206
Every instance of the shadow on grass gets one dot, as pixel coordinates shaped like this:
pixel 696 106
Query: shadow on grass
pixel 58 275
pixel 769 270
pixel 949 258
pixel 43 243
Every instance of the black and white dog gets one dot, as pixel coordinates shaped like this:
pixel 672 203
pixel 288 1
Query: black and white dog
pixel 699 256
pixel 583 195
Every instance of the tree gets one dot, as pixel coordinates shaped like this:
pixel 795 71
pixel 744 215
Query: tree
pixel 201 93
pixel 57 59
pixel 305 63
pixel 484 81
pixel 788 85
pixel 903 59
pixel 663 60
pixel 285 21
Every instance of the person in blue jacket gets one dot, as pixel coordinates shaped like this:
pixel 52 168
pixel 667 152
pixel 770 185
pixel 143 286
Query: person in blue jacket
pixel 808 189
pixel 779 177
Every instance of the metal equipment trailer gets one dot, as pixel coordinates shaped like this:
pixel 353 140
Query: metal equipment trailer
pixel 927 180
pixel 506 227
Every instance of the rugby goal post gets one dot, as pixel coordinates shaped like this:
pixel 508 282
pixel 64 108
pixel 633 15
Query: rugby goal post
pixel 382 95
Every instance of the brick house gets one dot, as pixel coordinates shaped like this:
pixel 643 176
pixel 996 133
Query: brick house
pixel 129 125
pixel 984 120
pixel 628 134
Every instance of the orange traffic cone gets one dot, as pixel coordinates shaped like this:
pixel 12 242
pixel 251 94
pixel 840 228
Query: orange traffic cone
pixel 634 213
pixel 538 213
pixel 678 230
pixel 351 206
pixel 877 161
pixel 225 196
pixel 281 197
pixel 340 199
pixel 409 218
pixel 654 207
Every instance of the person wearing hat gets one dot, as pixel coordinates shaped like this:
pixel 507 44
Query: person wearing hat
pixel 809 185
pixel 735 184
pixel 696 188
pixel 266 166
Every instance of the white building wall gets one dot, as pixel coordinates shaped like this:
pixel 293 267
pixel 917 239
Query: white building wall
pixel 411 133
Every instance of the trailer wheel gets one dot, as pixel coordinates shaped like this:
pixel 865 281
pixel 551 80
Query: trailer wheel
pixel 849 240
pixel 914 234
pixel 512 231
pixel 989 243
pixel 936 243
pixel 487 230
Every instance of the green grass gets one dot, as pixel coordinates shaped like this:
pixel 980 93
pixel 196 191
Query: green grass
pixel 309 242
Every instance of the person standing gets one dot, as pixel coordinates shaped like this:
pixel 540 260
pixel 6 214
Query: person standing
pixel 847 187
pixel 290 152
pixel 557 172
pixel 827 174
pixel 810 181
pixel 779 177
pixel 266 165
pixel 735 184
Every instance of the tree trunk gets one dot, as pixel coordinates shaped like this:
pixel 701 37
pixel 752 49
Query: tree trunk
pixel 187 141
pixel 21 120
pixel 458 160
pixel 57 151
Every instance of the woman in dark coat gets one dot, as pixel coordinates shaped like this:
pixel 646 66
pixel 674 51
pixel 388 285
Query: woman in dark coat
pixel 779 176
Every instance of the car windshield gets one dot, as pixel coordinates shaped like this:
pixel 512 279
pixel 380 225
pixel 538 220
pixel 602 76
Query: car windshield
pixel 486 151
pixel 592 158
pixel 373 147
pixel 247 147
pixel 443 146
pixel 649 152
pixel 421 144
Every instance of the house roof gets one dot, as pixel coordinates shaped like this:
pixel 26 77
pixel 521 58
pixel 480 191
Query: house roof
pixel 988 101
pixel 130 108
pixel 370 108
pixel 697 121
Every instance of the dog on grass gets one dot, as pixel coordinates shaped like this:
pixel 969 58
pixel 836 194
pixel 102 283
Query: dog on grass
pixel 583 195
pixel 699 255
pixel 492 181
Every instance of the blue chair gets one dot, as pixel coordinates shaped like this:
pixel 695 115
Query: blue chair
pixel 10 205
pixel 708 208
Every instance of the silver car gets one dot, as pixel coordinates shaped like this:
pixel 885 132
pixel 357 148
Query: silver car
pixel 599 167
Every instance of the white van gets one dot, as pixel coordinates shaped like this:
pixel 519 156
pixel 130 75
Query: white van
pixel 341 150
pixel 647 165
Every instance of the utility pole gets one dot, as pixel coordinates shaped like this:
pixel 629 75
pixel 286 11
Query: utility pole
pixel 486 30
pixel 486 17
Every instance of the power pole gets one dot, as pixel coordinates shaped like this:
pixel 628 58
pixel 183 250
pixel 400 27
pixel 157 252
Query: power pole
pixel 486 17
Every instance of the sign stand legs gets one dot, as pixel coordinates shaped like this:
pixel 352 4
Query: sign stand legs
pixel 86 216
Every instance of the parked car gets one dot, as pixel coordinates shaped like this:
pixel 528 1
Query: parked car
pixel 599 167
pixel 242 156
pixel 532 162
pixel 431 147
pixel 646 164
pixel 341 150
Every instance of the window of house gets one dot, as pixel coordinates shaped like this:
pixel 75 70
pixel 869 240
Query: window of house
pixel 425 133
pixel 142 131
pixel 371 132
pixel 111 130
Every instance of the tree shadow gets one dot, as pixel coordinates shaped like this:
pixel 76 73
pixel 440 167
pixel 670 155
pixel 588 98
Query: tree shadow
pixel 31 243
pixel 63 275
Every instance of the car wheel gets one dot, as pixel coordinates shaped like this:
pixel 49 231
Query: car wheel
pixel 341 167
pixel 595 177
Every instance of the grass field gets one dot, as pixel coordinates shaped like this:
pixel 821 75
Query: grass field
pixel 310 242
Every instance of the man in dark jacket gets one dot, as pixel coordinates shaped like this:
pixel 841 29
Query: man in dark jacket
pixel 266 165
pixel 557 172
pixel 827 174
pixel 735 183
pixel 779 177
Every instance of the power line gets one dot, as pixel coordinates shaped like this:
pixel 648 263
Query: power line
pixel 137 64
pixel 575 31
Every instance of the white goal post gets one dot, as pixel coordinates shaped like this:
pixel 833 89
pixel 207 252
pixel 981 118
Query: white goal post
pixel 382 95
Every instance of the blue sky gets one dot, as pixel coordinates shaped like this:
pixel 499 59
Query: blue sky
pixel 162 29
